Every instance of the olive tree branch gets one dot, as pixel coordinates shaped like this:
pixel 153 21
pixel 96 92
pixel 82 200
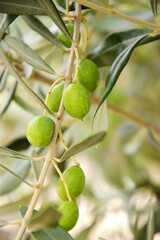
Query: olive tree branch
pixel 50 153
pixel 115 13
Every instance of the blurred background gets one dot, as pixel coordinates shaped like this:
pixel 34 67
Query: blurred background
pixel 121 199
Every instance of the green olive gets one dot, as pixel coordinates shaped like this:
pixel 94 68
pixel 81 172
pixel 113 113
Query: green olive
pixel 55 97
pixel 75 180
pixel 70 214
pixel 88 75
pixel 76 100
pixel 40 130
pixel 63 39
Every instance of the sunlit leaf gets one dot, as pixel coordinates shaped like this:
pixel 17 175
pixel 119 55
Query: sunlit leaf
pixel 21 7
pixel 79 147
pixel 27 54
pixel 40 28
pixel 6 21
pixel 21 81
pixel 53 13
pixel 117 68
pixel 8 99
pixel 9 182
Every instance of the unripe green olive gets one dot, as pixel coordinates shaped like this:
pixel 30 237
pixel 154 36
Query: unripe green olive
pixel 70 214
pixel 55 97
pixel 88 75
pixel 76 100
pixel 40 130
pixel 63 39
pixel 75 180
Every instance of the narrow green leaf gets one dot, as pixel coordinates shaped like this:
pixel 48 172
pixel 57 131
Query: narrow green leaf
pixel 40 28
pixel 44 218
pixel 6 152
pixel 6 21
pixel 21 7
pixel 113 44
pixel 9 182
pixel 57 233
pixel 20 80
pixel 3 79
pixel 151 224
pixel 54 14
pixel 81 146
pixel 9 98
pixel 154 6
pixel 27 54
pixel 117 68
pixel 152 140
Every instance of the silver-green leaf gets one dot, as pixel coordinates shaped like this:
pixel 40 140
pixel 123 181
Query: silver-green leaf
pixel 21 81
pixel 27 54
pixel 81 146
pixel 40 28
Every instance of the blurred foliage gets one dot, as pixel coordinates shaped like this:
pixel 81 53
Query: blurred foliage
pixel 121 199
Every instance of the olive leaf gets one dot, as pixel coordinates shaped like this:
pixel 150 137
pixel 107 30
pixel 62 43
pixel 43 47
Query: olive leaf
pixel 9 98
pixel 114 43
pixel 21 7
pixel 21 81
pixel 40 28
pixel 53 13
pixel 57 233
pixel 117 68
pixel 9 182
pixel 81 146
pixel 27 54
pixel 3 79
pixel 154 6
pixel 6 152
pixel 6 21
pixel 44 218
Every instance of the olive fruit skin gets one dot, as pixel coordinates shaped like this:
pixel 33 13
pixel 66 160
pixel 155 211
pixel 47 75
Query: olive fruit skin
pixel 55 97
pixel 75 180
pixel 40 130
pixel 63 39
pixel 88 75
pixel 76 100
pixel 70 214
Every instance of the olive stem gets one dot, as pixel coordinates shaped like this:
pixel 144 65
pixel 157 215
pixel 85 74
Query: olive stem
pixel 50 153
pixel 66 148
pixel 86 37
pixel 49 92
pixel 63 179
pixel 77 66
pixel 115 13
pixel 21 179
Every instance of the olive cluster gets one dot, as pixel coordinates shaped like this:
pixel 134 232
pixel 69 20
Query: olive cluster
pixel 75 180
